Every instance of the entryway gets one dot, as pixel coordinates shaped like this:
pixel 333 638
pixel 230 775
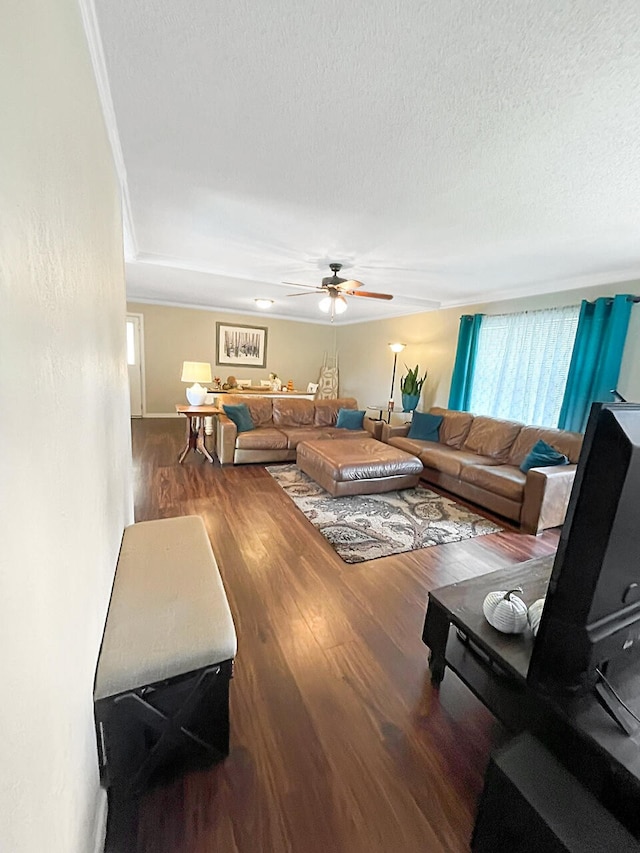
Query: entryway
pixel 134 363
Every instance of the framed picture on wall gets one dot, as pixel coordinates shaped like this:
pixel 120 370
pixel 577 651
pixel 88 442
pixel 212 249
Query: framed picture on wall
pixel 241 346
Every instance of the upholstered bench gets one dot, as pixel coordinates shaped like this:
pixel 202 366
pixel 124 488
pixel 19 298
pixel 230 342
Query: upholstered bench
pixel 358 466
pixel 161 694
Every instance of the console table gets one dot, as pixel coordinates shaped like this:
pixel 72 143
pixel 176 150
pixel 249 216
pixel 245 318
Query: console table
pixel 257 392
pixel 494 667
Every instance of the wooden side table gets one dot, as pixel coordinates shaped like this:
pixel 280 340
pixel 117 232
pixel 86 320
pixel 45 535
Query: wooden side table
pixel 195 429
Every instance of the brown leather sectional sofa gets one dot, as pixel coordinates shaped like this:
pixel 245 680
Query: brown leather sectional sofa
pixel 478 459
pixel 280 424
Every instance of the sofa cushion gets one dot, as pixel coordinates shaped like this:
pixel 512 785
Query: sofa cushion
pixel 409 445
pixel 504 480
pixel 340 432
pixel 292 412
pixel 306 433
pixel 450 461
pixel 260 408
pixel 568 443
pixel 240 416
pixel 542 455
pixel 492 437
pixel 455 426
pixel 350 418
pixel 326 411
pixel 265 438
pixel 432 454
pixel 425 426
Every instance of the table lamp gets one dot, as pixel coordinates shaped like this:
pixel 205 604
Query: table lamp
pixel 196 372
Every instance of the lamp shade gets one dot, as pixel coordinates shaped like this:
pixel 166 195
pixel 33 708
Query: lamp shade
pixel 196 371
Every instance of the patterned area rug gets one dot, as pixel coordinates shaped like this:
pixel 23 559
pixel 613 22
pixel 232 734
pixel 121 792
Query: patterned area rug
pixel 364 527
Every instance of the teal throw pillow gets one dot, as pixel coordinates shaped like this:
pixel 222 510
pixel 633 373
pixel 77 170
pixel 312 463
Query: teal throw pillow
pixel 350 418
pixel 542 455
pixel 240 416
pixel 425 427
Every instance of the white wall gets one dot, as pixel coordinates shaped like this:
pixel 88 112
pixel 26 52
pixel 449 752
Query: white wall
pixel 65 456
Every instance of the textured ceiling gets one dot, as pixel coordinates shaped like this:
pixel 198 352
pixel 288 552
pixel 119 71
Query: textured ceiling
pixel 447 151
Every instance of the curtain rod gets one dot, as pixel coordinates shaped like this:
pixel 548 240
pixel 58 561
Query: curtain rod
pixel 633 298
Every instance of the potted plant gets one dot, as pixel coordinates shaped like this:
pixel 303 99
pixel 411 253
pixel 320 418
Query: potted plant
pixel 411 388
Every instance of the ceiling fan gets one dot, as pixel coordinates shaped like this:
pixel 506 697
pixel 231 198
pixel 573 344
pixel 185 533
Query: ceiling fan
pixel 335 290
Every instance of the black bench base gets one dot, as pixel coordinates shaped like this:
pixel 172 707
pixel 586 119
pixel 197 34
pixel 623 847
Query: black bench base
pixel 157 731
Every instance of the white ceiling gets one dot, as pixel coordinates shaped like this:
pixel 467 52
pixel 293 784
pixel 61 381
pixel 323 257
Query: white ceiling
pixel 447 151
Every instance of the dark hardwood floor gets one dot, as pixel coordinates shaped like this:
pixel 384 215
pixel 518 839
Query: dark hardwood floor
pixel 338 741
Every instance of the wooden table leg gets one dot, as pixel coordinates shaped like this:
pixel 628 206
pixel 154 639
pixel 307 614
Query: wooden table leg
pixel 435 635
pixel 200 441
pixel 191 440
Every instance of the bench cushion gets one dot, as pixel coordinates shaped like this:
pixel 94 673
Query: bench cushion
pixel 168 613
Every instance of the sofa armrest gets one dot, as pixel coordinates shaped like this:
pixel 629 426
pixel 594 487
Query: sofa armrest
pixel 399 431
pixel 546 497
pixel 226 434
pixel 374 427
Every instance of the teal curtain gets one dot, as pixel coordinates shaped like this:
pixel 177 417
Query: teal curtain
pixel 596 357
pixel 462 379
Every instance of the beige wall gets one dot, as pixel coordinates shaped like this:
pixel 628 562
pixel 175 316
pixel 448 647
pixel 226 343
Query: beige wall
pixel 173 335
pixel 367 363
pixel 65 457
pixel 295 350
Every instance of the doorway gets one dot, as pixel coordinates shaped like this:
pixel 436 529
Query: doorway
pixel 134 363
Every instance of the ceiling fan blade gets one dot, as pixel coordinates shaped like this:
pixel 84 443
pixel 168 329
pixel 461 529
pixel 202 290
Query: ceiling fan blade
pixel 306 293
pixel 368 294
pixel 350 284
pixel 297 284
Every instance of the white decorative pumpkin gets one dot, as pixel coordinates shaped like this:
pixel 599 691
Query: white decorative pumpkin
pixel 534 614
pixel 505 611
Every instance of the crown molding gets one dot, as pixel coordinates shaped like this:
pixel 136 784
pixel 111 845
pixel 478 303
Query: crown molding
pixel 579 282
pixel 96 52
pixel 263 315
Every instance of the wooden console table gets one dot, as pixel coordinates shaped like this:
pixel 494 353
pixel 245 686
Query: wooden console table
pixel 195 416
pixel 218 396
pixel 494 667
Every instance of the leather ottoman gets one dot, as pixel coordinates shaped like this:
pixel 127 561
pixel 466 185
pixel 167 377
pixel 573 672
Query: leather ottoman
pixel 358 466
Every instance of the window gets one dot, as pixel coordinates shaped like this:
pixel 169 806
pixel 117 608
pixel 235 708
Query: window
pixel 522 364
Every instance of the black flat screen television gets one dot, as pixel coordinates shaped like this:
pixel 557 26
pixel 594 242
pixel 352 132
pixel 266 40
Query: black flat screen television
pixel 591 615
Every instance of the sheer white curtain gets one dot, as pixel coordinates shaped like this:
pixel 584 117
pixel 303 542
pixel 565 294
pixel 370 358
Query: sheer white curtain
pixel 522 364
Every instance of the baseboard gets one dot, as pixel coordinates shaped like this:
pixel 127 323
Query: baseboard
pixel 101 822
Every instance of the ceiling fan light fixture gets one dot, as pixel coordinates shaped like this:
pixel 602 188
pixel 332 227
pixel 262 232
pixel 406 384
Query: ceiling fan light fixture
pixel 264 304
pixel 333 303
pixel 340 304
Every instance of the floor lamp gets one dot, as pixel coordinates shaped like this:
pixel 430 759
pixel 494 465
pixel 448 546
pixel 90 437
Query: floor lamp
pixel 395 349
